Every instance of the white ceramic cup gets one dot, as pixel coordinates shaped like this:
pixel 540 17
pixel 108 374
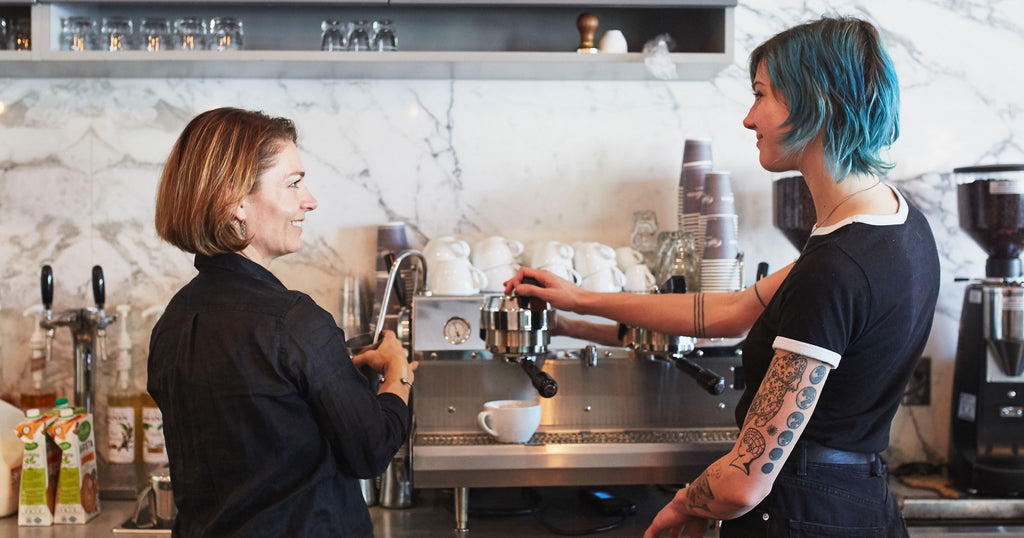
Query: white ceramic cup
pixel 608 280
pixel 497 276
pixel 564 270
pixel 495 251
pixel 628 257
pixel 550 252
pixel 455 277
pixel 639 279
pixel 511 421
pixel 445 248
pixel 592 257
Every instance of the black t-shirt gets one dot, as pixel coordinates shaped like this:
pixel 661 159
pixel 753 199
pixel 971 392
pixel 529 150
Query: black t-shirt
pixel 861 298
pixel 268 423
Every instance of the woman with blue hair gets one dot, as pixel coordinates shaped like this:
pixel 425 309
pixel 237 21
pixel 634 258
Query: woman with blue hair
pixel 831 339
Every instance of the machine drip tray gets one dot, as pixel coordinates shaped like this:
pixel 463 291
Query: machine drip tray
pixel 586 437
pixel 560 458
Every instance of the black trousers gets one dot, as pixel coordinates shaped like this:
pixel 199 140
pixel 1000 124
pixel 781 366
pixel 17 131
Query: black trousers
pixel 834 500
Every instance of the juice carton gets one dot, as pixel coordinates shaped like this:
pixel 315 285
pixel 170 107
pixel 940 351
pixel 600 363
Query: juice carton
pixel 78 490
pixel 40 464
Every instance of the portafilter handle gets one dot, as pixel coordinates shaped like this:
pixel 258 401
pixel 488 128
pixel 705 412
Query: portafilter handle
pixel 713 383
pixel 546 385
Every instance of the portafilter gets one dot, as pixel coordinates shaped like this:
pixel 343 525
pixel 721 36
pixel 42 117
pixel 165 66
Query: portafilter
pixel 517 328
pixel 659 345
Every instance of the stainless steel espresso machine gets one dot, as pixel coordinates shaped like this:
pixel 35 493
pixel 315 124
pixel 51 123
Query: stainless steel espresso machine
pixel 610 415
pixel 986 451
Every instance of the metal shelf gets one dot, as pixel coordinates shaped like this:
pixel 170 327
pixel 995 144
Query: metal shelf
pixel 452 43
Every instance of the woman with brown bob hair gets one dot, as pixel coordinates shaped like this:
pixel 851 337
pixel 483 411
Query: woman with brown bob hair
pixel 268 421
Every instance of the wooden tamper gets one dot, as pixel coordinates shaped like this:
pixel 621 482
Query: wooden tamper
pixel 586 23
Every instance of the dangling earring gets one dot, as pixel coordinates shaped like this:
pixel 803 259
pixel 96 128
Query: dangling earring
pixel 241 226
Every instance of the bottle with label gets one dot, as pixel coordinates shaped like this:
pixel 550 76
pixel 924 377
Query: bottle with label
pixel 153 449
pixel 124 410
pixel 37 391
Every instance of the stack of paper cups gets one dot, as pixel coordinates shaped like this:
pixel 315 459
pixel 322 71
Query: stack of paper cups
pixel 719 269
pixel 696 163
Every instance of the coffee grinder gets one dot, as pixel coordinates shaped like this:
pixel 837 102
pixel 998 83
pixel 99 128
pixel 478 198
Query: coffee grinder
pixel 986 450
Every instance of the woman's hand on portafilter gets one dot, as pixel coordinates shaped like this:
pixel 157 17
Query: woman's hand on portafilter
pixel 556 291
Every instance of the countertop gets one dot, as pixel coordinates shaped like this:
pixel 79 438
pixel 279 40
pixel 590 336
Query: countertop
pixel 432 517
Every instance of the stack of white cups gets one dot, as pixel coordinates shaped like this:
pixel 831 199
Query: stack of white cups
pixel 639 278
pixel 496 257
pixel 719 267
pixel 449 270
pixel 598 266
pixel 696 163
pixel 555 257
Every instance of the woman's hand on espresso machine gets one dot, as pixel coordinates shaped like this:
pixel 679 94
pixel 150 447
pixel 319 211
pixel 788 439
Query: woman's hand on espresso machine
pixel 387 355
pixel 556 291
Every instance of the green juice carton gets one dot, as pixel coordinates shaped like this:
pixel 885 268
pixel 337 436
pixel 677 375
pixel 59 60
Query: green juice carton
pixel 78 492
pixel 40 464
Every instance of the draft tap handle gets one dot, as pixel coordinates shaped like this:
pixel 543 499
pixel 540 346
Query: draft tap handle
pixel 46 285
pixel 98 287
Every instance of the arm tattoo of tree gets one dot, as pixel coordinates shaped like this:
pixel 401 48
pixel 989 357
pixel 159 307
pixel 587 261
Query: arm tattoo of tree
pixel 751 447
pixel 699 493
pixel 783 377
pixel 698 316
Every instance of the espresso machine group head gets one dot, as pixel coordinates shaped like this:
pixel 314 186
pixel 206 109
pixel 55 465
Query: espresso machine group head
pixel 986 452
pixel 518 329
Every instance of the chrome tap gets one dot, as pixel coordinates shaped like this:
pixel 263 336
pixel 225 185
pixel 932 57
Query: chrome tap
pixel 88 330
pixel 393 275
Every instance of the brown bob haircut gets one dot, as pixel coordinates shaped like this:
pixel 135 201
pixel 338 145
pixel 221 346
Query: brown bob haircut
pixel 215 163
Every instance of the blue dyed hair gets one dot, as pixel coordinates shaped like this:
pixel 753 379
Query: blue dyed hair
pixel 838 80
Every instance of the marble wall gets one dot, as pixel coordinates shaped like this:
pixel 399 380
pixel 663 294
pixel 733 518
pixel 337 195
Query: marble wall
pixel 531 160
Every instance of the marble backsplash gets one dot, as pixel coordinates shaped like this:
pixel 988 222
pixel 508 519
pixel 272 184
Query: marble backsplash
pixel 532 160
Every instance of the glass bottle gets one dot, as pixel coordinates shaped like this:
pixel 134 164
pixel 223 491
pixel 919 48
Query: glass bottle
pixel 153 449
pixel 36 389
pixel 124 409
pixel 679 259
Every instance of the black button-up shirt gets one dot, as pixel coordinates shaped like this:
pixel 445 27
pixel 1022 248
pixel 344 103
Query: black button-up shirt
pixel 267 421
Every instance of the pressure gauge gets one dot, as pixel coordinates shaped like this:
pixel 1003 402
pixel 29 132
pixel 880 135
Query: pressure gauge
pixel 456 330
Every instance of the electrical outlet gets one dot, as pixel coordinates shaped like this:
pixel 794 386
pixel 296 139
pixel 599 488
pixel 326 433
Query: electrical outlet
pixel 919 388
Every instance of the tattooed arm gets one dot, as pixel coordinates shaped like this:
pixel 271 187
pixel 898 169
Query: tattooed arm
pixel 690 314
pixel 735 483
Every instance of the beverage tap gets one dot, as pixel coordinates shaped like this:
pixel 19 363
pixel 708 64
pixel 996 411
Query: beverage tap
pixel 88 330
pixel 46 286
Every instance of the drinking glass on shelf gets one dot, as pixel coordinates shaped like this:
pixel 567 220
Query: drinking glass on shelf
pixel 226 33
pixel 384 36
pixel 4 33
pixel 359 39
pixel 77 33
pixel 156 34
pixel 117 33
pixel 21 34
pixel 333 35
pixel 190 33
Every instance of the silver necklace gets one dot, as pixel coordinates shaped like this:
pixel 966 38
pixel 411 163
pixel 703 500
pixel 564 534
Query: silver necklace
pixel 843 201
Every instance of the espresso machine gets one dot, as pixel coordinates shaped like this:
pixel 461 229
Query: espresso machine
pixel 986 450
pixel 610 415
